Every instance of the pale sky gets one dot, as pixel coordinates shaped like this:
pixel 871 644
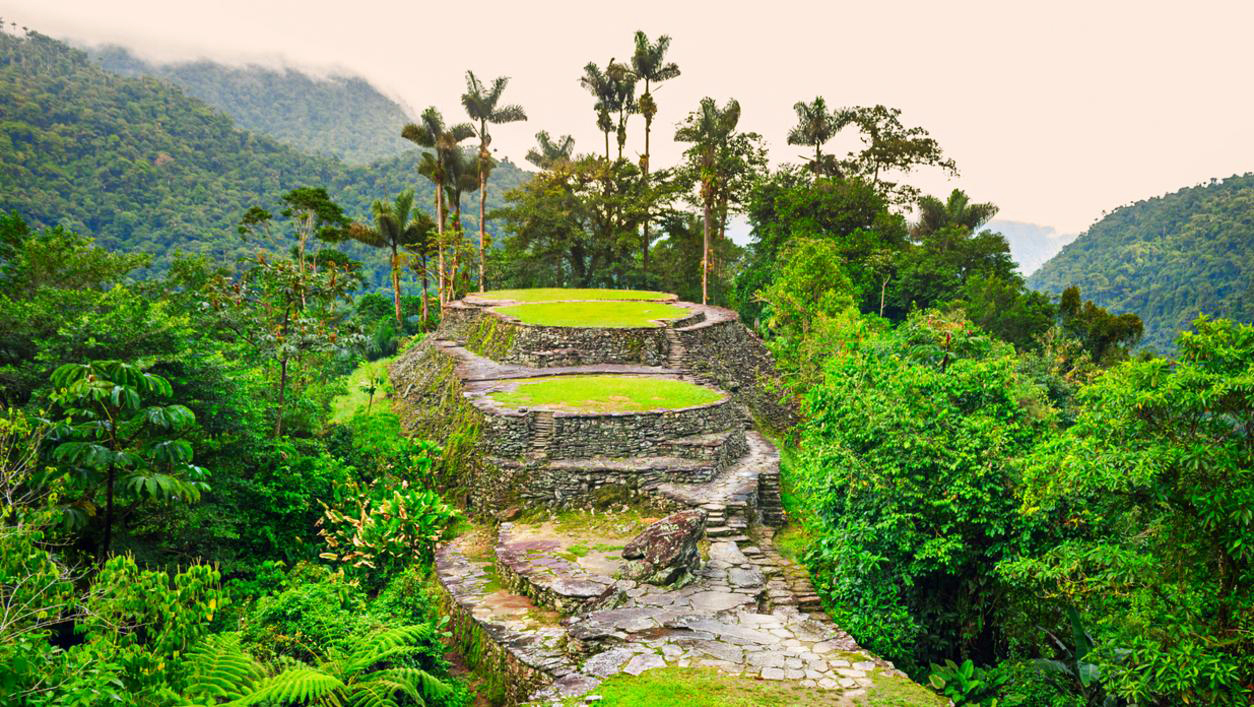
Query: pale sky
pixel 1055 111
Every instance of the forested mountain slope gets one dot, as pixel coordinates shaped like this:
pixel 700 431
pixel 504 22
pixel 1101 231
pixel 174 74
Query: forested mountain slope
pixel 341 116
pixel 143 167
pixel 1167 259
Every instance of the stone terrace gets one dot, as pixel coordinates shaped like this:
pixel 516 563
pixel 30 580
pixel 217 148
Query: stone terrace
pixel 746 611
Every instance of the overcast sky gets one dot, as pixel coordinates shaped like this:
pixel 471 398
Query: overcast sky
pixel 1055 111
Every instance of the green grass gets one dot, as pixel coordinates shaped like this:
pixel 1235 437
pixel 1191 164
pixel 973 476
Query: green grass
pixel 617 315
pixel 551 294
pixel 605 394
pixel 710 687
pixel 343 407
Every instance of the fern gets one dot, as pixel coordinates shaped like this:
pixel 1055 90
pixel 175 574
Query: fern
pixel 300 686
pixel 217 668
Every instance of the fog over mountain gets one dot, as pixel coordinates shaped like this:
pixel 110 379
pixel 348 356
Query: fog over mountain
pixel 1031 244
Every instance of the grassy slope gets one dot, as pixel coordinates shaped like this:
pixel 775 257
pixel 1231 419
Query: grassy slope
pixel 606 394
pixel 701 687
pixel 550 294
pixel 594 314
pixel 344 406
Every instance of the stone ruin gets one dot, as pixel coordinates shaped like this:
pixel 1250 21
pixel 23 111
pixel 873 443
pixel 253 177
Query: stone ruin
pixel 554 613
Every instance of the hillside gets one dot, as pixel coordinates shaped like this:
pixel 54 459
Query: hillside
pixel 1167 259
pixel 341 116
pixel 1030 244
pixel 141 166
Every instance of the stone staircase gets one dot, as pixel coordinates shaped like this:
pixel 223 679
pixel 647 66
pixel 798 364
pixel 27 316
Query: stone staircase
pixel 675 351
pixel 542 435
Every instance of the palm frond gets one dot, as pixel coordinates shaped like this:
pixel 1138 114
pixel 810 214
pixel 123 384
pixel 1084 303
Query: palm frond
pixel 217 668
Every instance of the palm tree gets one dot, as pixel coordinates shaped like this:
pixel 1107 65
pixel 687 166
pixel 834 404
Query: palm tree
pixel 548 154
pixel 431 133
pixel 957 210
pixel 602 88
pixel 650 65
pixel 396 226
pixel 481 105
pixel 708 128
pixel 460 177
pixel 815 126
pixel 623 80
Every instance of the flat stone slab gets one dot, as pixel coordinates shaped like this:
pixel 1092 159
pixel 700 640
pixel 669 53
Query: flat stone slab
pixel 533 568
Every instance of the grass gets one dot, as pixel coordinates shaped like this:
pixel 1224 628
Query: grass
pixel 605 394
pixel 343 407
pixel 552 294
pixel 616 315
pixel 710 687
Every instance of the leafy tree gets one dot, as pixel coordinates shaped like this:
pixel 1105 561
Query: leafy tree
pixel 1154 487
pixel 481 102
pixel 649 65
pixel 909 464
pixel 890 146
pixel 396 226
pixel 284 318
pixel 115 445
pixel 816 124
pixel 1107 337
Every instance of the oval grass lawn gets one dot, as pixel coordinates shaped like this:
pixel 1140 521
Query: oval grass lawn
pixel 554 294
pixel 593 314
pixel 601 393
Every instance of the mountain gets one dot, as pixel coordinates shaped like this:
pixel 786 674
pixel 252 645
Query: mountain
pixel 1030 244
pixel 1167 259
pixel 341 116
pixel 143 167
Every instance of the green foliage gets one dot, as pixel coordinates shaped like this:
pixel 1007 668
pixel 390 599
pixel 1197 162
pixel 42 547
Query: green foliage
pixel 1168 259
pixel 966 684
pixel 342 116
pixel 934 411
pixel 144 168
pixel 1154 486
pixel 117 450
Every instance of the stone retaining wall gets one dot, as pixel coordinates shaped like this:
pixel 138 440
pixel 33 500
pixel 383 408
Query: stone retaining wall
pixel 724 353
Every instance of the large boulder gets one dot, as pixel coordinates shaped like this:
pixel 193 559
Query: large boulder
pixel 666 552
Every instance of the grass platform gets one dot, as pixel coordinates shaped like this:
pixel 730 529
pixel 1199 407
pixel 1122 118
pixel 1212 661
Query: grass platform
pixel 616 315
pixel 606 393
pixel 555 294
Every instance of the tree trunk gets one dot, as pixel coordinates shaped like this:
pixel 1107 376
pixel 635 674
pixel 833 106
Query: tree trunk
pixel 607 146
pixel 278 420
pixel 883 289
pixel 439 238
pixel 425 286
pixel 107 545
pixel 644 253
pixel 396 284
pixel 483 204
pixel 705 252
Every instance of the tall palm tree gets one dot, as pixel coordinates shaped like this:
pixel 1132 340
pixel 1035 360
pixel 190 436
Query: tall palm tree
pixel 815 126
pixel 397 225
pixel 957 210
pixel 708 128
pixel 548 154
pixel 623 81
pixel 650 65
pixel 481 103
pixel 431 133
pixel 602 88
pixel 460 177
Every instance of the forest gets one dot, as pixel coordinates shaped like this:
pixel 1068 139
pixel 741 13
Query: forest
pixel 207 498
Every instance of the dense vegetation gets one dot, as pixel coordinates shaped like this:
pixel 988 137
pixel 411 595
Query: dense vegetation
pixel 344 117
pixel 987 487
pixel 143 168
pixel 1167 259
